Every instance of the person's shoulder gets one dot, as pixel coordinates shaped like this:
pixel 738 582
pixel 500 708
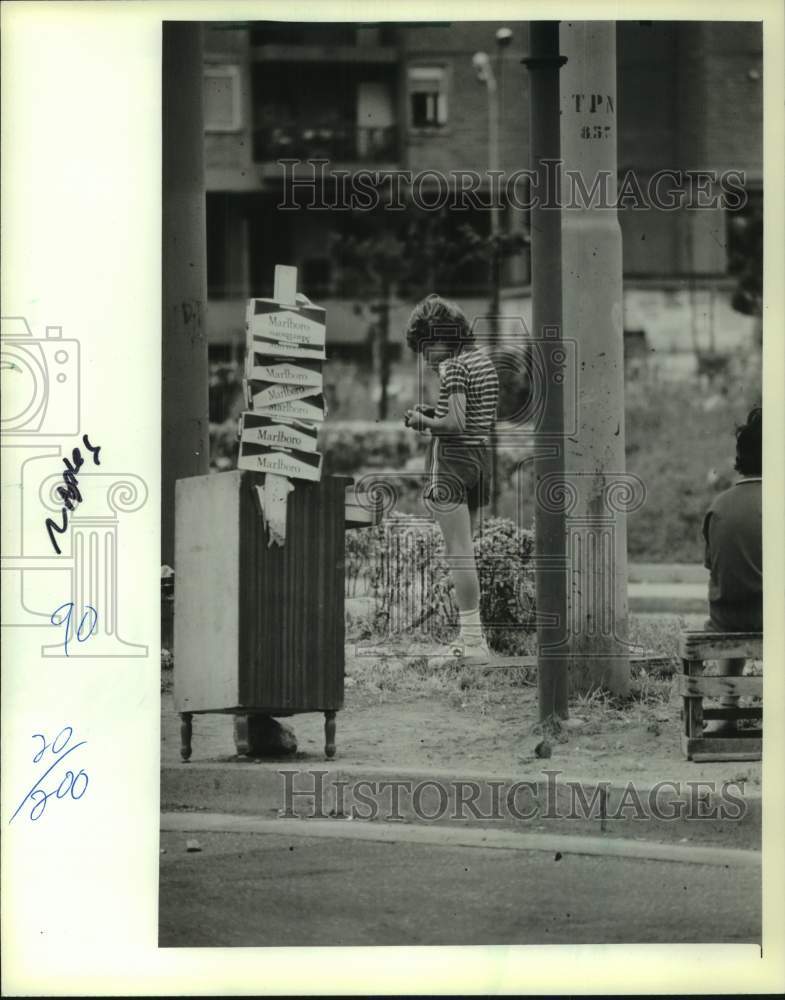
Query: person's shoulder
pixel 477 361
pixel 452 369
pixel 450 365
pixel 735 495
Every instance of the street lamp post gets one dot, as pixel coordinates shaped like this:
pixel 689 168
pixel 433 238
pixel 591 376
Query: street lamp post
pixel 483 67
pixel 544 63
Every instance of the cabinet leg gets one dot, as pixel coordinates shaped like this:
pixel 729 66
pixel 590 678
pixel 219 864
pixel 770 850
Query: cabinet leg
pixel 242 740
pixel 329 734
pixel 186 731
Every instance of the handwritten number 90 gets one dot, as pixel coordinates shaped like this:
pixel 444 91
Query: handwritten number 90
pixel 90 615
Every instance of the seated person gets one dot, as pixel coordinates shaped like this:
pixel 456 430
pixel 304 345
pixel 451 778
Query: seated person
pixel 732 532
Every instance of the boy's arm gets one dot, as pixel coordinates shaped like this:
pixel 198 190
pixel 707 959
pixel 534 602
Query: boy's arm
pixel 454 379
pixel 454 420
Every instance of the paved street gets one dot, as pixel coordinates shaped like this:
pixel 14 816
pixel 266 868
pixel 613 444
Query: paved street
pixel 253 889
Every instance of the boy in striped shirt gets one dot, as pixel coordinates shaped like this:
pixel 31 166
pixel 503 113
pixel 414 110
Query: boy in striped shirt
pixel 458 463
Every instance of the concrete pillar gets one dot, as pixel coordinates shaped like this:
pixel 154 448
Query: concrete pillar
pixel 543 64
pixel 595 489
pixel 185 404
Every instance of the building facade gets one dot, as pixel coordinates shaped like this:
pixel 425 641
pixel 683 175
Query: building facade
pixel 395 96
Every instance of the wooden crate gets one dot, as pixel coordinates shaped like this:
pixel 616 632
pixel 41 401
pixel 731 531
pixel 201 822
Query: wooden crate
pixel 694 649
pixel 259 629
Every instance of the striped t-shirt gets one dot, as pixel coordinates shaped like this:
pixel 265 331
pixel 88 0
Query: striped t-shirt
pixel 472 373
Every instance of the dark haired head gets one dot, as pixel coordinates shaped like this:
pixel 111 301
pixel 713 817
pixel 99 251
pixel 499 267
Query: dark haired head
pixel 748 444
pixel 435 321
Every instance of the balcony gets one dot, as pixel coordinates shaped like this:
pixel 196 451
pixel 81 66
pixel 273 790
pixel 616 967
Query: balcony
pixel 342 143
pixel 325 42
pixel 361 54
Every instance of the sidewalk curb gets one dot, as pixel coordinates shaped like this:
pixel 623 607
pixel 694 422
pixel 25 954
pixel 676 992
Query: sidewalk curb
pixel 542 800
pixel 504 840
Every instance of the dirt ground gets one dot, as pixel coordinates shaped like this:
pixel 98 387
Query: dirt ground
pixel 398 716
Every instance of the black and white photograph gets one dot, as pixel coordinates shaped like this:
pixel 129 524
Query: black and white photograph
pixel 461 586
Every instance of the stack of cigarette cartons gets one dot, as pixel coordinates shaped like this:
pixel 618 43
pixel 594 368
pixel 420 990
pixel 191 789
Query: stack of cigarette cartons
pixel 283 386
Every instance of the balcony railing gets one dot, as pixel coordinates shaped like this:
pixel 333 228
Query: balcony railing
pixel 347 143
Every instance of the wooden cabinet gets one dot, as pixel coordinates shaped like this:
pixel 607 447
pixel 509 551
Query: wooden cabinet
pixel 259 629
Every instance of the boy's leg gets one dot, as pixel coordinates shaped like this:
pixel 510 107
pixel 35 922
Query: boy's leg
pixel 456 528
pixel 459 471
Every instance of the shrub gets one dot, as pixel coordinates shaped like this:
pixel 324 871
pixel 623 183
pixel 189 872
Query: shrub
pixel 403 564
pixel 349 448
pixel 681 444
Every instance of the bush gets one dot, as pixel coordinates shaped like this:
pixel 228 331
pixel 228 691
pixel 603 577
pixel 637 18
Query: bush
pixel 349 448
pixel 681 444
pixel 403 564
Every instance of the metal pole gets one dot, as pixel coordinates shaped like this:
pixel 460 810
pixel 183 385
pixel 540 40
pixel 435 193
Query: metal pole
pixel 544 144
pixel 592 305
pixel 493 144
pixel 184 404
pixel 493 165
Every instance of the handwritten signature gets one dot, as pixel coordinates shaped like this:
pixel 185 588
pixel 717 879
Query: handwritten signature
pixel 73 784
pixel 69 493
pixel 65 619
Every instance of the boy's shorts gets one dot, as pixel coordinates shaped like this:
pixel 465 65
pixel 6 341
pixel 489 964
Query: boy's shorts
pixel 458 473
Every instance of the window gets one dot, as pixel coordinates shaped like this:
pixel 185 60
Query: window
pixel 222 99
pixel 427 96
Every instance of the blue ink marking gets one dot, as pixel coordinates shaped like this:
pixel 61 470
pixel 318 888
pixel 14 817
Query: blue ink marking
pixel 66 619
pixel 70 494
pixel 67 784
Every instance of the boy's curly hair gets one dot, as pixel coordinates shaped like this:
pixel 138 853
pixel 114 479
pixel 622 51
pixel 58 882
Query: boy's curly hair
pixel 436 320
pixel 749 444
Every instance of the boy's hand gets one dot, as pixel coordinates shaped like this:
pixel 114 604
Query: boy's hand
pixel 413 419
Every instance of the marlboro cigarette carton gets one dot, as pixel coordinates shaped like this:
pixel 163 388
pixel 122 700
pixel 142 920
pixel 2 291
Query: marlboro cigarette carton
pixel 311 408
pixel 256 429
pixel 296 464
pixel 283 350
pixel 270 393
pixel 263 368
pixel 285 331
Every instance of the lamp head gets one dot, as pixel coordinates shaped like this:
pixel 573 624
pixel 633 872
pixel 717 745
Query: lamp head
pixel 482 64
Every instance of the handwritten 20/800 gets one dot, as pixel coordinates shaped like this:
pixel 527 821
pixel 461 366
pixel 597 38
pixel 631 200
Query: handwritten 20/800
pixel 73 784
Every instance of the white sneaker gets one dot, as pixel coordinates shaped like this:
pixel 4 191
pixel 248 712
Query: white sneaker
pixel 473 654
